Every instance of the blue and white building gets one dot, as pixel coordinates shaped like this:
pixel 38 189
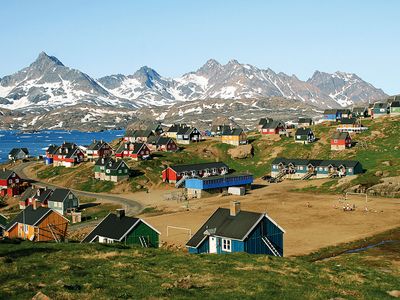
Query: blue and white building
pixel 233 230
pixel 200 187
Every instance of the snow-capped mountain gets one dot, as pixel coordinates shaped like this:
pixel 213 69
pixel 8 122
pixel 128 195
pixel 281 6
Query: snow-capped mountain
pixel 345 88
pixel 239 81
pixel 47 84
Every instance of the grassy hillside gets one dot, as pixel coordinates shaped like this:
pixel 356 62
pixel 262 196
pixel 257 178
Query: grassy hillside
pixel 70 271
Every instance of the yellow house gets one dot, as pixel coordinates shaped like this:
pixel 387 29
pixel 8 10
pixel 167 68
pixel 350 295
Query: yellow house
pixel 235 137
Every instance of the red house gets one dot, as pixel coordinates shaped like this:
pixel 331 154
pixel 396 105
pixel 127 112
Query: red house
pixel 68 155
pixel 273 127
pixel 159 143
pixel 136 151
pixel 173 174
pixel 98 149
pixel 340 141
pixel 10 183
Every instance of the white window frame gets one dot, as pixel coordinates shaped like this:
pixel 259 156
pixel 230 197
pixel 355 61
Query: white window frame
pixel 226 245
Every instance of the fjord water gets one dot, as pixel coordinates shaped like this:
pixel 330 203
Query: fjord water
pixel 38 141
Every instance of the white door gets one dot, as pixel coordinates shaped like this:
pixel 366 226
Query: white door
pixel 213 244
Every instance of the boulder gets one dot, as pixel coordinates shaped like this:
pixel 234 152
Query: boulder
pixel 241 152
pixel 378 173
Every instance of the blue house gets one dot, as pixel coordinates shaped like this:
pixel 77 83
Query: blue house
pixel 232 230
pixel 380 109
pixel 307 168
pixel 336 114
pixel 199 187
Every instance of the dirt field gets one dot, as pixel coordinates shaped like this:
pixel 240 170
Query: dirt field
pixel 322 224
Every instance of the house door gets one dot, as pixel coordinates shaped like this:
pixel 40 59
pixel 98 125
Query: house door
pixel 213 244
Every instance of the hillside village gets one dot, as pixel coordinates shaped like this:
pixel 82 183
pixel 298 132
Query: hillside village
pixel 206 190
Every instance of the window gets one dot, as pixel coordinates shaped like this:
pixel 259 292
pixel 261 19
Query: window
pixel 71 196
pixel 226 245
pixel 119 171
pixel 17 180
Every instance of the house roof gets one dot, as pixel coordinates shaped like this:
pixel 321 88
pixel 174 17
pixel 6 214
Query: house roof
pixel 15 151
pixel 222 224
pixel 32 192
pixel 185 130
pixel 303 131
pixel 395 104
pixel 233 131
pixel 59 195
pixel 315 162
pixel 29 216
pixel 273 124
pixel 135 150
pixel 305 120
pixel 96 145
pixel 340 135
pixel 380 105
pixel 142 133
pixel 52 149
pixel 159 140
pixel 112 227
pixel 220 127
pixel 3 221
pixel 175 127
pixel 234 175
pixel 348 121
pixel 5 173
pixel 67 149
pixel 198 167
pixel 264 121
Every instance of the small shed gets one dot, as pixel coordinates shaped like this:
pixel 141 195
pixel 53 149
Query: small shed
pixel 119 228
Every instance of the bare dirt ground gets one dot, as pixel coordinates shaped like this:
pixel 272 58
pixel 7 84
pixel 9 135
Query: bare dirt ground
pixel 308 228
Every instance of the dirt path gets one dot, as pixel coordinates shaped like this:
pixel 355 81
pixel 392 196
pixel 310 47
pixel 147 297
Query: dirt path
pixel 131 205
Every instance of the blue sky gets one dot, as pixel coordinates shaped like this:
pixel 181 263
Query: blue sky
pixel 175 37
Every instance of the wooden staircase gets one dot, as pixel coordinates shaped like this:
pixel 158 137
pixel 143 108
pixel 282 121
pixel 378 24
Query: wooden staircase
pixel 270 246
pixel 143 242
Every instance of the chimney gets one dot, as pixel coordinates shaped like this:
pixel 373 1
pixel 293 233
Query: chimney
pixel 120 213
pixel 35 204
pixel 235 208
pixel 102 160
pixel 38 192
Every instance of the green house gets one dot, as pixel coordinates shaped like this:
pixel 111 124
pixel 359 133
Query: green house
pixel 118 228
pixel 109 169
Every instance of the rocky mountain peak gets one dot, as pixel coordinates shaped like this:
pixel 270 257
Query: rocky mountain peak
pixel 44 61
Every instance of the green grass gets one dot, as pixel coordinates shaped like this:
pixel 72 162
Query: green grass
pixel 95 271
pixel 50 172
pixel 98 211
pixel 95 186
